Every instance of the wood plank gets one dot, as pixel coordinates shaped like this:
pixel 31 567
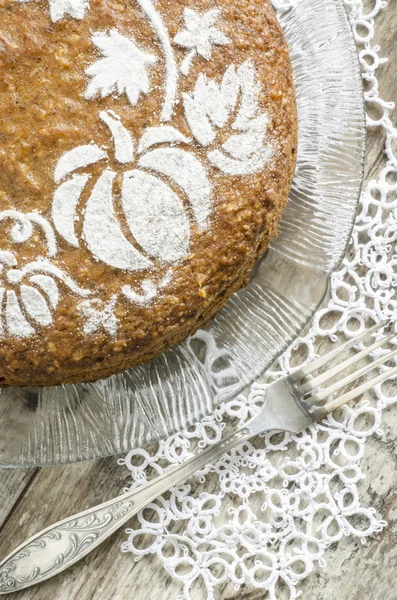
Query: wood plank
pixel 106 573
pixel 12 484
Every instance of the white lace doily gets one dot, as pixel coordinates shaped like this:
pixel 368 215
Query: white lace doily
pixel 277 503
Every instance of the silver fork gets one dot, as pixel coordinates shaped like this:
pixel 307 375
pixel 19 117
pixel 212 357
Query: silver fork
pixel 292 404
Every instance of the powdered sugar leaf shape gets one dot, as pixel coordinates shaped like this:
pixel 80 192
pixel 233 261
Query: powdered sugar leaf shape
pixel 123 68
pixel 152 198
pixel 199 35
pixel 234 101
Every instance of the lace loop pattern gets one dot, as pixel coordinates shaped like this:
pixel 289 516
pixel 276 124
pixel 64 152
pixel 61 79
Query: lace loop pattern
pixel 278 502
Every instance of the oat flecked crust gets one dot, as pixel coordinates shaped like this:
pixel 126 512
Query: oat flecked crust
pixel 43 114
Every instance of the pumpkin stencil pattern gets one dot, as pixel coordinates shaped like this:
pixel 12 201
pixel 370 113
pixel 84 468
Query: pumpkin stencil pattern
pixel 155 214
pixel 165 189
pixel 29 294
pixel 38 297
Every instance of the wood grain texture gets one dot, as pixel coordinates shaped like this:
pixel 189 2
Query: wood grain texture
pixel 12 484
pixel 32 499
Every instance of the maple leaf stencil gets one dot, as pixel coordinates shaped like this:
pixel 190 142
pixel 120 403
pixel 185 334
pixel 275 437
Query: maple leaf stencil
pixel 199 35
pixel 123 67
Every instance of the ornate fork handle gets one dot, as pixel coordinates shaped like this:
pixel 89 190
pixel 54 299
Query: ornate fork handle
pixel 58 547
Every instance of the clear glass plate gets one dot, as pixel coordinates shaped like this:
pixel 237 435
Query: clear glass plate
pixel 41 426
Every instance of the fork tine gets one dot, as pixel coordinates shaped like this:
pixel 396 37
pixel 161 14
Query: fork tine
pixel 307 387
pixel 345 398
pixel 323 394
pixel 305 371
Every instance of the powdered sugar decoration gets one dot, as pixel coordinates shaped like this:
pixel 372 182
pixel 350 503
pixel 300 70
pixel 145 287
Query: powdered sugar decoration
pixel 155 214
pixel 79 157
pixel 160 176
pixel 98 316
pixel 123 68
pixel 123 142
pixel 199 35
pixel 62 8
pixel 171 76
pixel 29 294
pixel 23 228
pixel 211 106
pixel 73 8
pixel 149 290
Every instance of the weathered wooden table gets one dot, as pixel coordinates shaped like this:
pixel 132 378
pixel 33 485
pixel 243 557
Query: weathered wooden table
pixel 31 499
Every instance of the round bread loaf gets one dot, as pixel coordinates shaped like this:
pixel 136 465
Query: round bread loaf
pixel 147 150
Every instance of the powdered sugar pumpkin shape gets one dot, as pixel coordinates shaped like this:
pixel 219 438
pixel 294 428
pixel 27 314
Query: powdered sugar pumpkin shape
pixel 154 212
pixel 29 293
pixel 166 169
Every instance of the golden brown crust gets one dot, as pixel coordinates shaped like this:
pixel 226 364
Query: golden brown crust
pixel 43 114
